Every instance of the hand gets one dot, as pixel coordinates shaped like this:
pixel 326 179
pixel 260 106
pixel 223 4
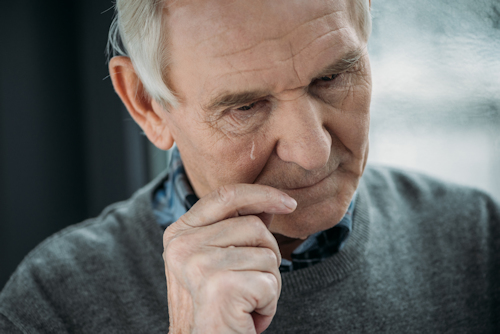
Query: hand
pixel 222 263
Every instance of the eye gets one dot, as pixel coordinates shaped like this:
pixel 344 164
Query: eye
pixel 248 107
pixel 329 77
pixel 245 119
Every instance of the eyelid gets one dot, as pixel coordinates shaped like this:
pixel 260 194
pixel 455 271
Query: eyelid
pixel 255 104
pixel 356 67
pixel 320 81
pixel 251 105
pixel 353 68
pixel 331 77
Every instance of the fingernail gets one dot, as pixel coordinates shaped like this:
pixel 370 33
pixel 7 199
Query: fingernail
pixel 289 202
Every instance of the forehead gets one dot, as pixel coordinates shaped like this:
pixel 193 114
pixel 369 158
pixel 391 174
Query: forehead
pixel 272 45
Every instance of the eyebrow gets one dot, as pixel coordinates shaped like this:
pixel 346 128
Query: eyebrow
pixel 228 99
pixel 349 60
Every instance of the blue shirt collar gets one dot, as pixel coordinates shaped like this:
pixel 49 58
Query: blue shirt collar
pixel 176 196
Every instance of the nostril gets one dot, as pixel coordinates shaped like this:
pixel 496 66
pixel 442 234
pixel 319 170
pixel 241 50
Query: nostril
pixel 303 138
pixel 310 151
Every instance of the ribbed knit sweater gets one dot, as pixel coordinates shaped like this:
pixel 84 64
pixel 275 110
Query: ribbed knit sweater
pixel 423 257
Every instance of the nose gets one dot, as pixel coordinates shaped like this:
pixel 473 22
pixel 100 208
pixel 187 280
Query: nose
pixel 302 138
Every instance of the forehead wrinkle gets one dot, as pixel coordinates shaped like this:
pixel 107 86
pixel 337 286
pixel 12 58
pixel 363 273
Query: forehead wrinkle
pixel 290 56
pixel 347 57
pixel 294 54
pixel 327 24
pixel 228 99
pixel 274 65
pixel 271 39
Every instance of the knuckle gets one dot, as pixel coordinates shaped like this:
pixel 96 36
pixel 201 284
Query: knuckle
pixel 168 235
pixel 225 194
pixel 178 242
pixel 173 231
pixel 272 195
pixel 271 282
pixel 271 255
pixel 176 249
pixel 256 224
pixel 258 232
pixel 268 287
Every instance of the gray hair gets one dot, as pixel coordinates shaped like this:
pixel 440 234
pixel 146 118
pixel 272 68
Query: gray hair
pixel 136 32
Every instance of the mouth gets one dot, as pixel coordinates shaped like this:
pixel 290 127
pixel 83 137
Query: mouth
pixel 310 183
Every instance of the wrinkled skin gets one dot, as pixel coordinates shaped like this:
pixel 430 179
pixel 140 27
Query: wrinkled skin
pixel 293 122
pixel 221 262
pixel 302 131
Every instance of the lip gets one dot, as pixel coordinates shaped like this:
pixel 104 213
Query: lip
pixel 310 185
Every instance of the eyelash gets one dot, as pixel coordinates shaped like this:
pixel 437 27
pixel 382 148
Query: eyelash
pixel 331 77
pixel 247 107
pixel 245 119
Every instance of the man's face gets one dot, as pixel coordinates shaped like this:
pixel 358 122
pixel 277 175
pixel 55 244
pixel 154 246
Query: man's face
pixel 265 98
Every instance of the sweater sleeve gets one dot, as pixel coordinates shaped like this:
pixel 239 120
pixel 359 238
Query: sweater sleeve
pixel 6 326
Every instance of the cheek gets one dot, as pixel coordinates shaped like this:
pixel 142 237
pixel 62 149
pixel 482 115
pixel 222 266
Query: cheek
pixel 234 160
pixel 351 123
pixel 213 157
pixel 243 159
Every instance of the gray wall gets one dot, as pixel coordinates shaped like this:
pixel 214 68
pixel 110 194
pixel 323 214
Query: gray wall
pixel 67 146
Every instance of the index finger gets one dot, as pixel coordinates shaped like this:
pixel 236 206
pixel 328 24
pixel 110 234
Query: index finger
pixel 238 200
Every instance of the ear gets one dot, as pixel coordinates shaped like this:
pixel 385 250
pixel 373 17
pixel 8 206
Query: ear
pixel 146 112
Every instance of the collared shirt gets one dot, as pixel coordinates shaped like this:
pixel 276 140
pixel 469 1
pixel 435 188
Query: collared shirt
pixel 176 196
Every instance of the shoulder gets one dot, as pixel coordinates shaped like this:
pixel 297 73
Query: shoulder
pixel 419 192
pixel 431 215
pixel 83 247
pixel 88 272
pixel 90 245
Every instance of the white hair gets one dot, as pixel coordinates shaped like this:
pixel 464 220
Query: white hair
pixel 136 32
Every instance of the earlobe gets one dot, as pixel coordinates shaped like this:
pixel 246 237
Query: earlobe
pixel 148 114
pixel 164 139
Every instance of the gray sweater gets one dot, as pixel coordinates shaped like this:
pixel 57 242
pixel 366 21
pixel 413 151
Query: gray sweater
pixel 423 257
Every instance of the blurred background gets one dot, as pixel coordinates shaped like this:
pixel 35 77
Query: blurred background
pixel 68 147
pixel 436 89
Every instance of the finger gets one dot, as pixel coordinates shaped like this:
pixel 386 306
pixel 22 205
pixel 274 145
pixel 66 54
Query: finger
pixel 238 200
pixel 214 260
pixel 246 231
pixel 261 322
pixel 242 293
pixel 256 291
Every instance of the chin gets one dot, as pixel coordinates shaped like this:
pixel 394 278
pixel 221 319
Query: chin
pixel 305 221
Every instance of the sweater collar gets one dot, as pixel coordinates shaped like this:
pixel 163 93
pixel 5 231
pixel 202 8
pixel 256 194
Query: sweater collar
pixel 333 269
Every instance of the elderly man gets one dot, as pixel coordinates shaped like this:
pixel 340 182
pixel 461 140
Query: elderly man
pixel 268 104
